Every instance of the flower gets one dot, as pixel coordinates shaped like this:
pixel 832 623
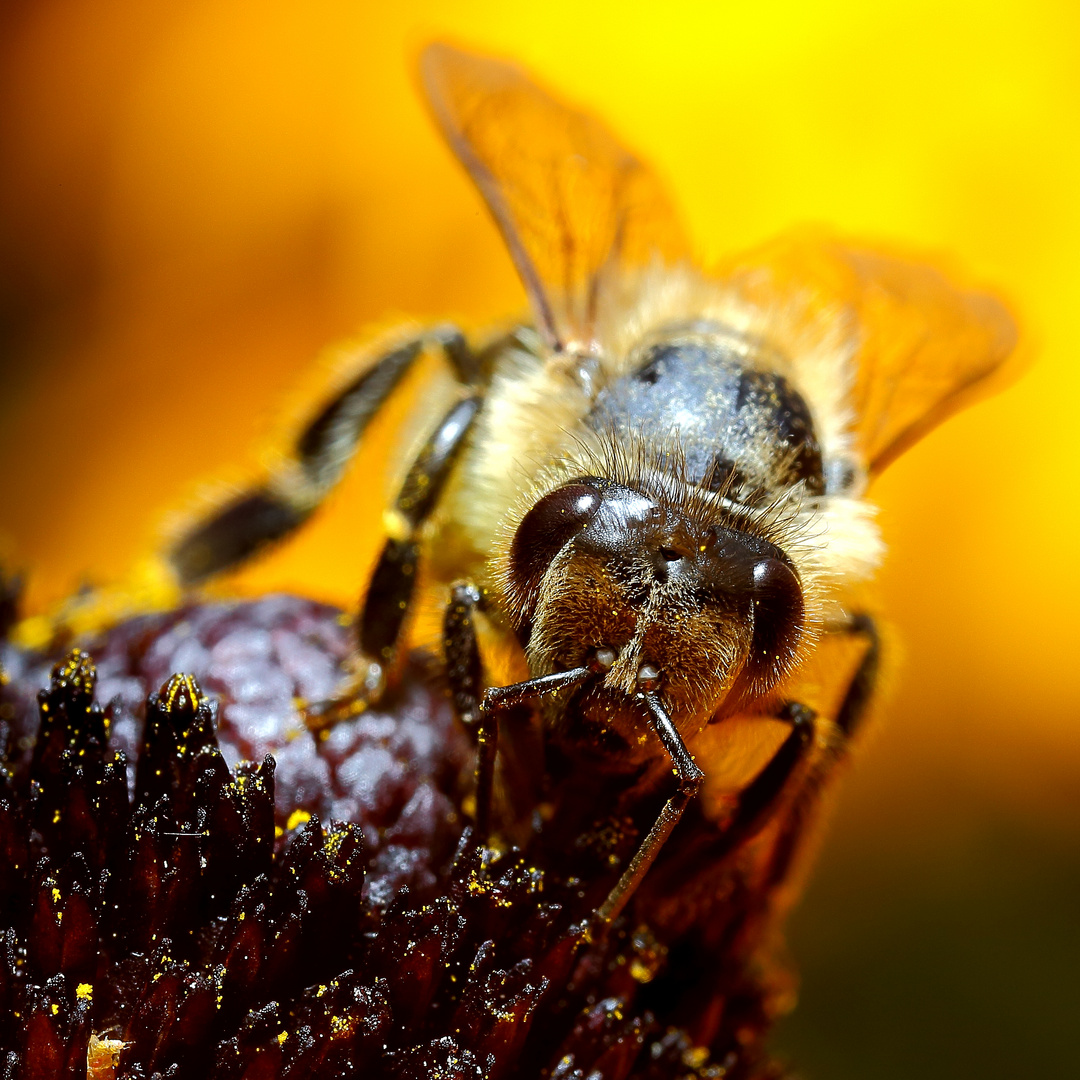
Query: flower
pixel 192 885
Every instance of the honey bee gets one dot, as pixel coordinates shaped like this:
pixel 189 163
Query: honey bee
pixel 652 490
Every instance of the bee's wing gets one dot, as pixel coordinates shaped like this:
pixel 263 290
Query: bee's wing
pixel 924 344
pixel 573 204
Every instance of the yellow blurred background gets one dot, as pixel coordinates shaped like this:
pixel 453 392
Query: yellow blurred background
pixel 198 197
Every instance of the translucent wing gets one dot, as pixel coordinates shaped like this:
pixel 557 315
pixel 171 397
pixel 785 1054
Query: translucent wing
pixel 572 203
pixel 924 343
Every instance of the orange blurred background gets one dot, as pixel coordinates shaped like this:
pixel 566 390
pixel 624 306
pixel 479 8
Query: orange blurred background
pixel 197 198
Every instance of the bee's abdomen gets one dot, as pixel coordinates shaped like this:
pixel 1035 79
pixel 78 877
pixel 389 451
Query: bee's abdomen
pixel 733 421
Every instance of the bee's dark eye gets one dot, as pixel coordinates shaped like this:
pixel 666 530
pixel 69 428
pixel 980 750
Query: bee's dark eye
pixel 778 620
pixel 544 532
pixel 775 582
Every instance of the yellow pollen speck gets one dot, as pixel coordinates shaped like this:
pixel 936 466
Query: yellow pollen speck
pixel 84 991
pixel 396 525
pixel 695 1057
pixel 282 1036
pixel 297 817
pixel 54 1009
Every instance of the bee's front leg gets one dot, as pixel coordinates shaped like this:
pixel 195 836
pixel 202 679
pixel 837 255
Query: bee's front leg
pixel 690 778
pixel 389 594
pixel 479 709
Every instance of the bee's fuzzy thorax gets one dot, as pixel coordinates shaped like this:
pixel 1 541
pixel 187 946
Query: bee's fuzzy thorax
pixel 533 438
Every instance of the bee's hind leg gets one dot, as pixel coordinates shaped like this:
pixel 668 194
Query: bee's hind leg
pixel 319 456
pixel 860 690
pixel 389 594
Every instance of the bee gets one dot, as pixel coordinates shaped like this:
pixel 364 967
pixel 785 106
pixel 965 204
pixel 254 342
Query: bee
pixel 652 490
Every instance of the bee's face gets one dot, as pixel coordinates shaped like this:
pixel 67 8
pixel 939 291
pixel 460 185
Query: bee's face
pixel 606 577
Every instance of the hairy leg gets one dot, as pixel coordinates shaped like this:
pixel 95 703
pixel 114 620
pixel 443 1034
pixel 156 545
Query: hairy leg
pixel 319 456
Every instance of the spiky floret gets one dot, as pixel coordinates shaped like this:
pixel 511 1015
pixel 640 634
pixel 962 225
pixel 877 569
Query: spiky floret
pixel 163 911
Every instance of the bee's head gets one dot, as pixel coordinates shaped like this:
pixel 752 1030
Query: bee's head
pixel 604 576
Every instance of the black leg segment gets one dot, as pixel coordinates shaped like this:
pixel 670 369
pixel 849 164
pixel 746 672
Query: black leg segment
pixel 235 533
pixel 495 700
pixel 429 471
pixel 320 455
pixel 758 801
pixel 390 591
pixel 860 690
pixel 389 595
pixel 689 782
pixel 849 717
pixel 386 603
pixel 464 671
pixel 326 444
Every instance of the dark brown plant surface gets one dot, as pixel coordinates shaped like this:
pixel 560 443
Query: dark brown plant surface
pixel 186 871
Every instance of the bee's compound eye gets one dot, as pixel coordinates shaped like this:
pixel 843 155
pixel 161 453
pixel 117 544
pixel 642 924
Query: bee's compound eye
pixel 603 658
pixel 778 620
pixel 648 677
pixel 770 574
pixel 542 534
pixel 776 586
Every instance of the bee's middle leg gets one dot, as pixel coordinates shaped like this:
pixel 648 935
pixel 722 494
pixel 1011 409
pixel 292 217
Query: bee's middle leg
pixel 849 719
pixel 388 598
